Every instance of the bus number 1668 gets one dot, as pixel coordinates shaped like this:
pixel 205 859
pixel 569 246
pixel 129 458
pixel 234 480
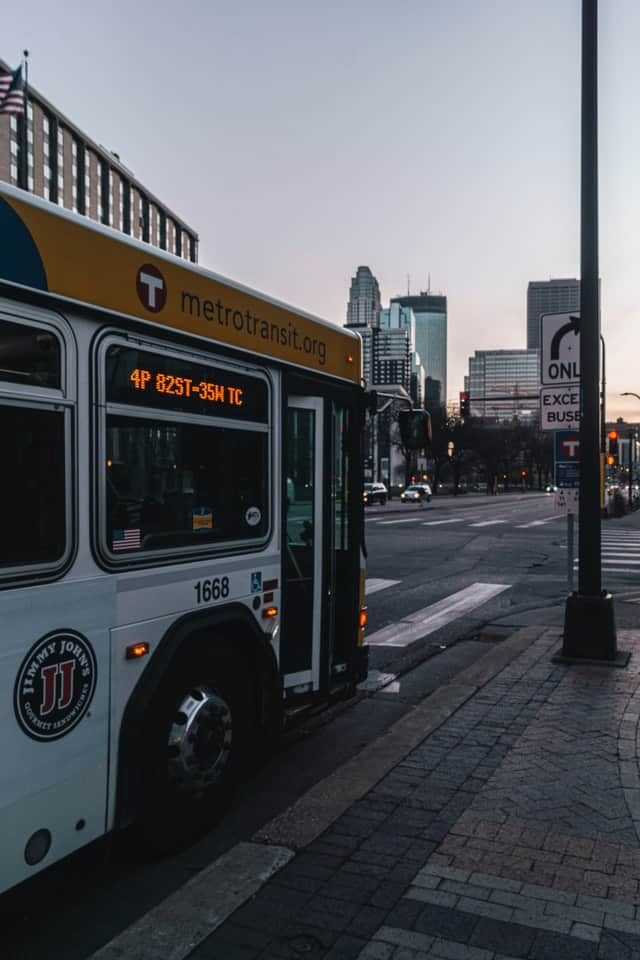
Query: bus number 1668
pixel 214 589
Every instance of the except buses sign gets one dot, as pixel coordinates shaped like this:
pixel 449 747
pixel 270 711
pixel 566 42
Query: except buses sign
pixel 560 371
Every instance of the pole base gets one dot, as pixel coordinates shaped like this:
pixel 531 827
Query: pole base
pixel 590 629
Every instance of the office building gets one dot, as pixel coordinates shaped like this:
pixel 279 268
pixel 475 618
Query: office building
pixel 433 398
pixel 512 377
pixel 68 168
pixel 549 296
pixel 430 312
pixel 394 354
pixel 363 309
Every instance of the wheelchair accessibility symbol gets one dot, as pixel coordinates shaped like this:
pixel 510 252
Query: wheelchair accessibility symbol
pixel 256 582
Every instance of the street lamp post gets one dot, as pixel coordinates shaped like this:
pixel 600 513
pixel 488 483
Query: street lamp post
pixel 589 626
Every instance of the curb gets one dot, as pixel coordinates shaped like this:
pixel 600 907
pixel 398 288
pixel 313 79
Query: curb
pixel 323 803
pixel 173 928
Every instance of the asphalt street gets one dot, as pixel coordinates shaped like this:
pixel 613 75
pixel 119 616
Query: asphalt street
pixel 445 580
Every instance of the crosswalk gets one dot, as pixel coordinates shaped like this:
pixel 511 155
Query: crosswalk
pixel 419 624
pixel 472 521
pixel 620 551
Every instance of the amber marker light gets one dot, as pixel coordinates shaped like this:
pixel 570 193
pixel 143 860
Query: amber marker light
pixel 349 358
pixel 136 650
pixel 270 612
pixel 362 618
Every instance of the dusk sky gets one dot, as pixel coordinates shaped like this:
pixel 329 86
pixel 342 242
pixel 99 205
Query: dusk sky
pixel 417 136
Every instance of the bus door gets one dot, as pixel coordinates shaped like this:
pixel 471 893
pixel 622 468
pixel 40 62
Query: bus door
pixel 302 548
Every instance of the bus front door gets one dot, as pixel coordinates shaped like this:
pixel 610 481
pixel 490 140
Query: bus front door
pixel 302 548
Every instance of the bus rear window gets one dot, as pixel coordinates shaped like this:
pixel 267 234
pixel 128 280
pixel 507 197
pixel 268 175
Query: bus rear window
pixel 173 485
pixel 32 486
pixel 29 355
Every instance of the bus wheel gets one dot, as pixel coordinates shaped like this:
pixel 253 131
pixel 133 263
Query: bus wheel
pixel 197 735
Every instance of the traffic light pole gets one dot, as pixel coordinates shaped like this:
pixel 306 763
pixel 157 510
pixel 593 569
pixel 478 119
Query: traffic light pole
pixel 589 627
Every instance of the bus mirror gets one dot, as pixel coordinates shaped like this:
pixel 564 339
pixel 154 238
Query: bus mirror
pixel 415 429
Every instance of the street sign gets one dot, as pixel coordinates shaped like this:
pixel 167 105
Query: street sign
pixel 559 348
pixel 567 459
pixel 567 501
pixel 559 407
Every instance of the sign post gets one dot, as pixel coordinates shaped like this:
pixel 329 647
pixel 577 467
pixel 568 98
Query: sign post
pixel 589 624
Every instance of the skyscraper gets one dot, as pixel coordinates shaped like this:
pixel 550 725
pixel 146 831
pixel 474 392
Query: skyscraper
pixel 363 309
pixel 430 312
pixel 394 347
pixel 549 296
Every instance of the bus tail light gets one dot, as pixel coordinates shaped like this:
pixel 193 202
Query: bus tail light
pixel 136 650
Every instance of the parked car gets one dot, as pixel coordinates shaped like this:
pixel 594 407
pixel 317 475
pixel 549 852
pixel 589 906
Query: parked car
pixel 416 493
pixel 375 493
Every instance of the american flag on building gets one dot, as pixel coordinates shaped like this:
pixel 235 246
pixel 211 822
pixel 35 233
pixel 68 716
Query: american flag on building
pixel 12 91
pixel 126 540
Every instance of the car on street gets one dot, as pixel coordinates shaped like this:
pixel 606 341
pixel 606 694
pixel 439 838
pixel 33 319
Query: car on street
pixel 375 493
pixel 416 493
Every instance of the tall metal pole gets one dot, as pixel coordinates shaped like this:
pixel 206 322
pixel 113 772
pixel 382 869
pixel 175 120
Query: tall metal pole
pixel 589 622
pixel 603 400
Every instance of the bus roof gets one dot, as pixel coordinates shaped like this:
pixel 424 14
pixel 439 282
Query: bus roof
pixel 50 249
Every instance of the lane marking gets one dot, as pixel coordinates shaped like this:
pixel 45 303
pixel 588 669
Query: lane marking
pixel 436 615
pixel 175 927
pixel 536 523
pixel 384 523
pixel 487 523
pixel 374 584
pixel 433 523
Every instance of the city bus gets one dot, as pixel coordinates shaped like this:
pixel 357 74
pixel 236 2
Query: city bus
pixel 181 565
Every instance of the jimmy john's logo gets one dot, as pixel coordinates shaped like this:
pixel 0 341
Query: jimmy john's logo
pixel 55 685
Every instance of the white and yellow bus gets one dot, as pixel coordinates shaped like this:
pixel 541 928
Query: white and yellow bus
pixel 181 520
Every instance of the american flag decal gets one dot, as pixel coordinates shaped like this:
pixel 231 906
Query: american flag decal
pixel 12 92
pixel 126 540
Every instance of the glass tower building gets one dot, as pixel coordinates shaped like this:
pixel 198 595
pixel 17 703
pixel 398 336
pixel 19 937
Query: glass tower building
pixel 430 312
pixel 511 374
pixel 549 296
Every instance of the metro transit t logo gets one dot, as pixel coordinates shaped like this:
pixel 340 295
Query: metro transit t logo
pixel 151 287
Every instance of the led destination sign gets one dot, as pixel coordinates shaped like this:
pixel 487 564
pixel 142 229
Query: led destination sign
pixel 150 380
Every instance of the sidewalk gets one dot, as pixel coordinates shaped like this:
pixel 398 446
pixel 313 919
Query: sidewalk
pixel 510 830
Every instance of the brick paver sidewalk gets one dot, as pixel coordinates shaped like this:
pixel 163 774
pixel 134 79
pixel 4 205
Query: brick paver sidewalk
pixel 511 831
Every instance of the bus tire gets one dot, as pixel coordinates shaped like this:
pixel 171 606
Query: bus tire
pixel 196 738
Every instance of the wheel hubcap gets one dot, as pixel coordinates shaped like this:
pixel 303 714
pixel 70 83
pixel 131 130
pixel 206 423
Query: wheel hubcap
pixel 199 740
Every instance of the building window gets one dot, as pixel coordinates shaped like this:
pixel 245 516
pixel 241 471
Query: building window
pixel 14 148
pixel 14 173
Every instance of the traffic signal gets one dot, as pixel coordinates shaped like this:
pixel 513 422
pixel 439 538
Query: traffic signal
pixel 415 429
pixel 612 448
pixel 613 434
pixel 465 405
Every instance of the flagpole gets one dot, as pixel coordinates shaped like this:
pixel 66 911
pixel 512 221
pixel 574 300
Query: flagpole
pixel 23 128
pixel 25 124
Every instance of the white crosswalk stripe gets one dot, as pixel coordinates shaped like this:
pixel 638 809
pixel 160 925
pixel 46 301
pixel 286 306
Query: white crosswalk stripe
pixel 374 584
pixel 384 523
pixel 435 523
pixel 620 551
pixel 537 523
pixel 487 523
pixel 429 619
